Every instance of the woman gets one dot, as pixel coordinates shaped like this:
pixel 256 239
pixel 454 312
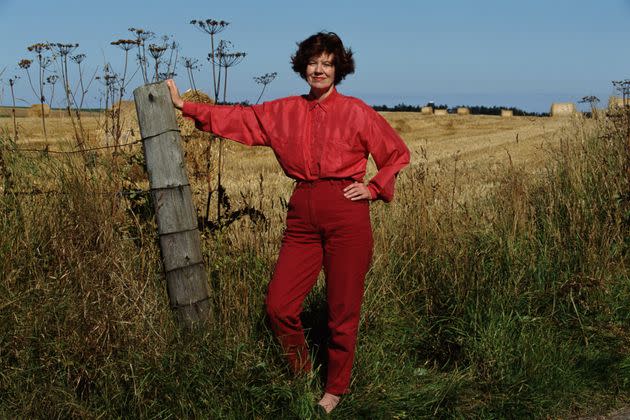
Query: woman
pixel 322 140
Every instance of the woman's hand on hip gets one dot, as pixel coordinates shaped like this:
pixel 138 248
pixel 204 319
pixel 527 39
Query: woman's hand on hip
pixel 357 191
pixel 178 102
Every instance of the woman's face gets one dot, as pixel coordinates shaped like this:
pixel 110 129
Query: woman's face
pixel 320 72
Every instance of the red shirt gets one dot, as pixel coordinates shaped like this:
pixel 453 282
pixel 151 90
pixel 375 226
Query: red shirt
pixel 313 139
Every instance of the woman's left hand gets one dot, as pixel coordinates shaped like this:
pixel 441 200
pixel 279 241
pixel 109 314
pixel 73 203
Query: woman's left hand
pixel 357 191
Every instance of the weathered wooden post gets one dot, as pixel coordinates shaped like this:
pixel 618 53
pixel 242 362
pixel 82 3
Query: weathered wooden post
pixel 186 279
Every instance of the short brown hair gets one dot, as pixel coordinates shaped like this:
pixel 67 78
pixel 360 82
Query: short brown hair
pixel 323 42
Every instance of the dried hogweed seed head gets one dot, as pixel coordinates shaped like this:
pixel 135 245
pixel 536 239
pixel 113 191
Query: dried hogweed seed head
pixel 64 49
pixel 589 99
pixel 39 47
pixel 156 50
pixel 191 63
pixel 142 35
pixel 125 44
pixel 210 26
pixel 266 78
pixel 78 58
pixel 167 75
pixel 25 63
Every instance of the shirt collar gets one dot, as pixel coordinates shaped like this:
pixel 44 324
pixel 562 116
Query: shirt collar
pixel 326 103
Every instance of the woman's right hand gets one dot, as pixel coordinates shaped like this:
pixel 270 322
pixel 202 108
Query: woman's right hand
pixel 178 102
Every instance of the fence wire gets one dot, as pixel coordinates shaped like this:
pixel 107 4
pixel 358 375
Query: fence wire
pixel 71 152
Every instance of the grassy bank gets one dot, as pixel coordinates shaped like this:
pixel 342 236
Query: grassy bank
pixel 511 303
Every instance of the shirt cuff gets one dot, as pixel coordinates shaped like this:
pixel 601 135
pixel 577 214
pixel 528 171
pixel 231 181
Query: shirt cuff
pixel 373 191
pixel 188 109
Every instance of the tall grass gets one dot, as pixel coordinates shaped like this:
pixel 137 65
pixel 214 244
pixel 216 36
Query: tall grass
pixel 511 303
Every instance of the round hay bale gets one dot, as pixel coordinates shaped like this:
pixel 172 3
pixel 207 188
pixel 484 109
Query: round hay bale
pixel 426 110
pixel 125 113
pixel 507 113
pixel 440 112
pixel 562 109
pixel 186 125
pixel 463 111
pixel 36 110
pixel 617 102
pixel 401 126
pixel 128 114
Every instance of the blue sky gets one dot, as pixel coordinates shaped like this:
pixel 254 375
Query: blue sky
pixel 525 54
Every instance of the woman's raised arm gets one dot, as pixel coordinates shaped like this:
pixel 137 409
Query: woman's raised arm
pixel 245 124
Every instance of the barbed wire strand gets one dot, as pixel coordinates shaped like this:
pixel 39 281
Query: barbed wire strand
pixel 71 152
pixel 121 193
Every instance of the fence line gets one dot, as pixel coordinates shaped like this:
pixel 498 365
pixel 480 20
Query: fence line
pixel 71 152
pixel 62 152
pixel 123 193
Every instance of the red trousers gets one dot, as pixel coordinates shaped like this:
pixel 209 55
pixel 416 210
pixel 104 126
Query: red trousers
pixel 323 229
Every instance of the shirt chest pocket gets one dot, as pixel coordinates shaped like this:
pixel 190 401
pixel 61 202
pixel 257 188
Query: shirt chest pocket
pixel 340 152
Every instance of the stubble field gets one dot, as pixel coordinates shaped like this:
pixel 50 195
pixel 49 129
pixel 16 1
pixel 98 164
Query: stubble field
pixel 474 145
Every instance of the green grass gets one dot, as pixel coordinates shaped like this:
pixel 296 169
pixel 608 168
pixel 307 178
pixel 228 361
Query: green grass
pixel 511 305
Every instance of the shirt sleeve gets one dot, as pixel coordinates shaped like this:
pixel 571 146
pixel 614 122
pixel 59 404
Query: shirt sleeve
pixel 248 125
pixel 390 155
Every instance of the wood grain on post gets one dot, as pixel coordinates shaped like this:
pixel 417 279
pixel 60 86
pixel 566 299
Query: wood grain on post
pixel 186 278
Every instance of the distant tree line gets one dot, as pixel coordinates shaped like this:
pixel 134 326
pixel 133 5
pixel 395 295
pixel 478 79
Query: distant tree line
pixel 475 109
pixel 496 110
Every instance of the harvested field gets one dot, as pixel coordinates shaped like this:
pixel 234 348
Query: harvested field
pixel 479 143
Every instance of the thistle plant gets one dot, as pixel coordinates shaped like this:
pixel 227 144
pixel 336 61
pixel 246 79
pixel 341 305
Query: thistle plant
pixel 211 27
pixel 264 80
pixel 191 64
pixel 44 61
